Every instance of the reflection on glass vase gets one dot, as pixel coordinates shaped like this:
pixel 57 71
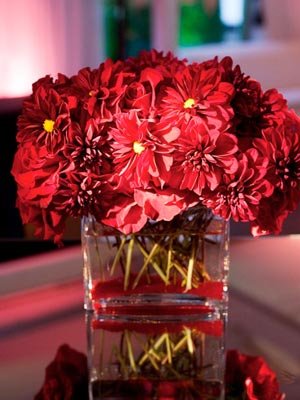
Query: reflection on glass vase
pixel 156 303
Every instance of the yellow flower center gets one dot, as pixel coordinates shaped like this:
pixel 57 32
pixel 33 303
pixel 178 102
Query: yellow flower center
pixel 138 148
pixel 189 103
pixel 48 125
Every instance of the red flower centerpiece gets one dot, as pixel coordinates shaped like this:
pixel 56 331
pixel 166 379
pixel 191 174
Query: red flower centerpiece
pixel 137 133
pixel 155 155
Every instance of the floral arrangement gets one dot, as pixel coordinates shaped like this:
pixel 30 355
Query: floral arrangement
pixel 147 138
pixel 247 377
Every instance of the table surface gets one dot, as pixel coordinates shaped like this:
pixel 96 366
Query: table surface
pixel 264 317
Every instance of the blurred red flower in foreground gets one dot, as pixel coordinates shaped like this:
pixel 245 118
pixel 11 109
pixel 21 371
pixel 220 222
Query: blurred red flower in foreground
pixel 66 377
pixel 250 378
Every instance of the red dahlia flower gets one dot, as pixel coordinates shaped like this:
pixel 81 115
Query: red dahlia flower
pixel 100 90
pixel 254 110
pixel 202 157
pixel 142 150
pixel 85 145
pixel 271 214
pixel 238 196
pixel 198 91
pixel 37 174
pixel 247 91
pixel 281 145
pixel 79 193
pixel 44 120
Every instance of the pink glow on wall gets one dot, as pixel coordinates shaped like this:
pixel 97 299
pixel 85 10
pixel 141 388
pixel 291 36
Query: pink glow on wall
pixel 39 37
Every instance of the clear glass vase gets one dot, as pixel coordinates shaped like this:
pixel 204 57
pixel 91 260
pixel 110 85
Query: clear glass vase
pixel 157 308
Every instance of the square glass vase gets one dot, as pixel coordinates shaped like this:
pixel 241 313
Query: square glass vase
pixel 156 304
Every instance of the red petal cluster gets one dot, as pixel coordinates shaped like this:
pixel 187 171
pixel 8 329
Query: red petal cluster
pixel 146 138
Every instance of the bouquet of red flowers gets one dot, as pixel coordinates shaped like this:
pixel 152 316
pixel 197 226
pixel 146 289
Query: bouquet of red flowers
pixel 147 138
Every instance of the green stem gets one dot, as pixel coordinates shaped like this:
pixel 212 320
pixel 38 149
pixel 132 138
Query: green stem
pixel 128 262
pixel 118 256
pixel 144 267
pixel 169 258
pixel 130 351
pixel 191 264
pixel 95 235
